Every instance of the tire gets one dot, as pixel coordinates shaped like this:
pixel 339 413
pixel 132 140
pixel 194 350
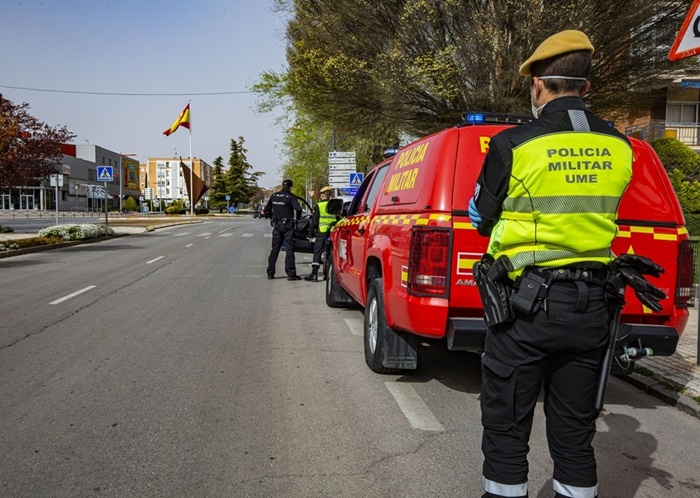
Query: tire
pixel 376 328
pixel 336 297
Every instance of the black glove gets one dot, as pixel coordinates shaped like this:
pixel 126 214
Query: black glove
pixel 641 264
pixel 648 294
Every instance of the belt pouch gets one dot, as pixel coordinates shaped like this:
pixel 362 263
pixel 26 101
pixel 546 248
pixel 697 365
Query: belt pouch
pixel 532 288
pixel 494 295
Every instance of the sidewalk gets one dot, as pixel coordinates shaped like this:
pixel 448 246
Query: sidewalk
pixel 676 378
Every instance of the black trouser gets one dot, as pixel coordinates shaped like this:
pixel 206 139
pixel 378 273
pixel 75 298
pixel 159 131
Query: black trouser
pixel 282 232
pixel 561 347
pixel 319 247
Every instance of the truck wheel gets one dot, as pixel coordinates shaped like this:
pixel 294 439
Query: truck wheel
pixel 336 297
pixel 376 328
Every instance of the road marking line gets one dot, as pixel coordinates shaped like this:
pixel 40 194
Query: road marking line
pixel 204 234
pixel 416 411
pixel 355 326
pixel 66 298
pixel 225 229
pixel 268 235
pixel 226 235
pixel 181 234
pixel 154 260
pixel 247 235
pixel 189 245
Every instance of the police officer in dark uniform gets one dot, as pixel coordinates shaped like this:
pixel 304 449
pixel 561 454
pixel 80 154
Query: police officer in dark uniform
pixel 282 208
pixel 547 197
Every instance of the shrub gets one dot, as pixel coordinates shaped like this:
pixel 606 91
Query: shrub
pixel 131 204
pixel 683 167
pixel 76 232
pixel 6 229
pixel 29 242
pixel 172 210
pixel 201 210
pixel 674 154
pixel 692 223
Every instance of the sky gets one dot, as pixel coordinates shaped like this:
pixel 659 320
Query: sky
pixel 148 47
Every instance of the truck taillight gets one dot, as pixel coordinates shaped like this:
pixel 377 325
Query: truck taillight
pixel 687 271
pixel 429 261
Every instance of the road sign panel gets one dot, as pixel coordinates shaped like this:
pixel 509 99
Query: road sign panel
pixel 356 179
pixel 340 154
pixel 687 41
pixel 105 174
pixel 341 160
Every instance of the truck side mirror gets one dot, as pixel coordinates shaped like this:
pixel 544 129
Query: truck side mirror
pixel 335 206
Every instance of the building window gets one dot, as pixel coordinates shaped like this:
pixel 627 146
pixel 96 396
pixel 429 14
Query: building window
pixel 685 113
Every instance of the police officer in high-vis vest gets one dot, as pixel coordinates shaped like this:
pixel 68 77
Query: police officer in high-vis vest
pixel 547 196
pixel 321 223
pixel 284 209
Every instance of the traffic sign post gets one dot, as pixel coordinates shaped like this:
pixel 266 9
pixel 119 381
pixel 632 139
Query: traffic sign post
pixel 105 174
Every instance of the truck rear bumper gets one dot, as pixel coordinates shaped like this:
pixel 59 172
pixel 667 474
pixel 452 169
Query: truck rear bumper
pixel 469 334
pixel 466 334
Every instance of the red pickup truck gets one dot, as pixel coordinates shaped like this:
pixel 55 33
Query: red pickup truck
pixel 406 248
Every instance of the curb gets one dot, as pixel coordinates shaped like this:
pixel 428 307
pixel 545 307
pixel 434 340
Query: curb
pixel 60 245
pixel 654 387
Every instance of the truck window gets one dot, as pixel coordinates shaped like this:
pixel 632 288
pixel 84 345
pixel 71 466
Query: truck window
pixel 372 194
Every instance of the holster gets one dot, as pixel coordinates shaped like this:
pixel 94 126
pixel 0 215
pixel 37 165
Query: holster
pixel 491 278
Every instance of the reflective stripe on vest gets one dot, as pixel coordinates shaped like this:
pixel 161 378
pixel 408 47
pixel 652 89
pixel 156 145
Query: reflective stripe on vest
pixel 325 219
pixel 562 199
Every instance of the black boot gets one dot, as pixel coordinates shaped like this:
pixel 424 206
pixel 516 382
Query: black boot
pixel 313 276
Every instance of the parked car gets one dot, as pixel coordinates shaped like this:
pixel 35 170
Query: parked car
pixel 258 213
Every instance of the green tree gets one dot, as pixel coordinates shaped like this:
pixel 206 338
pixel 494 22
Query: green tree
pixel 29 149
pixel 385 70
pixel 683 167
pixel 218 190
pixel 241 184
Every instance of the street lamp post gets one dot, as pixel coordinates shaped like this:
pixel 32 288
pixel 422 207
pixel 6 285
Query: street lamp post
pixel 121 180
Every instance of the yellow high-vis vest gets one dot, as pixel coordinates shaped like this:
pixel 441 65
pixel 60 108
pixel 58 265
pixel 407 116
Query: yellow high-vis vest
pixel 325 219
pixel 562 200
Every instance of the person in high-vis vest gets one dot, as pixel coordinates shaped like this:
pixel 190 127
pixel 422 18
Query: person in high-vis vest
pixel 547 196
pixel 321 223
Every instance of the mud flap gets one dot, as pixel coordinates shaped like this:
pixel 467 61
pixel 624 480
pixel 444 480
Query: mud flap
pixel 399 350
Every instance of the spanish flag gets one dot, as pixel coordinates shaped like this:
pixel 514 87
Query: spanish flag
pixel 182 120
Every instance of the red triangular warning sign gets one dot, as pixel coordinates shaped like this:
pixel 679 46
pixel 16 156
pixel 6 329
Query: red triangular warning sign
pixel 688 38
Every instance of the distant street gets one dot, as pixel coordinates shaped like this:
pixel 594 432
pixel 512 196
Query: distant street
pixel 165 364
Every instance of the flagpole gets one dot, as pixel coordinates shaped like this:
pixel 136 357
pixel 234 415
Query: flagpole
pixel 191 192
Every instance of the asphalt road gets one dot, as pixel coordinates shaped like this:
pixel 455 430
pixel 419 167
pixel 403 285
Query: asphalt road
pixel 166 364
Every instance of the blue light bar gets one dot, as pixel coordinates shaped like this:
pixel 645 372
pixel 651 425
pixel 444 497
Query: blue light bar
pixel 474 117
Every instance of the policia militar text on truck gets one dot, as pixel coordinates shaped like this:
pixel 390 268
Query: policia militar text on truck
pixel 407 248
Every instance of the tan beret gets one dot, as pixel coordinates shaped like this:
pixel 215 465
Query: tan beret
pixel 558 44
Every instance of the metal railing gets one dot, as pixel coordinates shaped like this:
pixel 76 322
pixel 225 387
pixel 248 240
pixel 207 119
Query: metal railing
pixel 687 133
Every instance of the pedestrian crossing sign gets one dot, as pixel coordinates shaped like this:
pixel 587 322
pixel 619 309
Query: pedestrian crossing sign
pixel 356 179
pixel 104 174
